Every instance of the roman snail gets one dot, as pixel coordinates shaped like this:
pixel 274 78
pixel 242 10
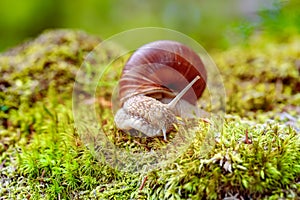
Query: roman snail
pixel 150 80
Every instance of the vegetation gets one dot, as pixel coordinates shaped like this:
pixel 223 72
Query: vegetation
pixel 42 155
pixel 213 24
pixel 256 155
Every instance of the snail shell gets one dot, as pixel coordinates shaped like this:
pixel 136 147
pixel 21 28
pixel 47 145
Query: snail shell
pixel 151 78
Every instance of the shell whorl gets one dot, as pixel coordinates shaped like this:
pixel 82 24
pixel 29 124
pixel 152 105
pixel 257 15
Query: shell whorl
pixel 162 69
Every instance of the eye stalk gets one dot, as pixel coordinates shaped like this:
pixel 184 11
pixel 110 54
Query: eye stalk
pixel 173 103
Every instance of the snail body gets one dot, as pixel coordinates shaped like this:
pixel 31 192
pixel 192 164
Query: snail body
pixel 160 81
pixel 147 115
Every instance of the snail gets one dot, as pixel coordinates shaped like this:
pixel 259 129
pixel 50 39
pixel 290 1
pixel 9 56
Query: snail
pixel 150 80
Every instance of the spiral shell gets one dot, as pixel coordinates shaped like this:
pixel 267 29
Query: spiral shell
pixel 161 69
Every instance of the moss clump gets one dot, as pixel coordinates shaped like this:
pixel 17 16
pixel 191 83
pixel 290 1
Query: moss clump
pixel 28 70
pixel 263 76
pixel 268 166
pixel 42 155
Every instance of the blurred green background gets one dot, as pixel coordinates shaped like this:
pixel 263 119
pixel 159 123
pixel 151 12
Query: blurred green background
pixel 215 24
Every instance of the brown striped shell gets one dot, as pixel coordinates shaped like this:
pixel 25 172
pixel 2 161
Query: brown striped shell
pixel 162 69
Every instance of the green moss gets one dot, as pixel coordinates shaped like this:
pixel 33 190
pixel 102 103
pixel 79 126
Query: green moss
pixel 43 157
pixel 267 72
pixel 254 170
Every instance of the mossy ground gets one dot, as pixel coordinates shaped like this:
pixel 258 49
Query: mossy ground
pixel 43 157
